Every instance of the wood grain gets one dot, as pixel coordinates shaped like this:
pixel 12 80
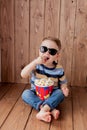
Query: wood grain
pixel 0 41
pixel 17 115
pixel 9 100
pixel 79 66
pixel 67 19
pixel 52 18
pixel 36 26
pixel 4 89
pixel 38 125
pixel 7 40
pixel 24 23
pixel 21 37
pixel 0 61
pixel 79 108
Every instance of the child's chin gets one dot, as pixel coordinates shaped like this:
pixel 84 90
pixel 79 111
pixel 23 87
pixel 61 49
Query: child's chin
pixel 48 62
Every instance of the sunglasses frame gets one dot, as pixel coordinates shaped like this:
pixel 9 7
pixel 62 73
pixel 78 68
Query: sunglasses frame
pixel 51 51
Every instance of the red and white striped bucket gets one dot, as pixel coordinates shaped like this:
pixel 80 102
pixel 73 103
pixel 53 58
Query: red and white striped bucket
pixel 44 92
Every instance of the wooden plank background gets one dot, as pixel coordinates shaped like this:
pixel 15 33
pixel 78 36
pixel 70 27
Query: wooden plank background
pixel 23 24
pixel 79 60
pixel 21 42
pixel 0 44
pixel 0 63
pixel 7 40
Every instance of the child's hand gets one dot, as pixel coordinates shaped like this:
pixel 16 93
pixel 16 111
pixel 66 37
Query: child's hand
pixel 65 91
pixel 41 60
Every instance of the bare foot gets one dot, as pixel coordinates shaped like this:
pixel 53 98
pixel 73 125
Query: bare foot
pixel 55 113
pixel 44 116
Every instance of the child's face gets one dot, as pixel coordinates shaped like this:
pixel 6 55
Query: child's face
pixel 50 55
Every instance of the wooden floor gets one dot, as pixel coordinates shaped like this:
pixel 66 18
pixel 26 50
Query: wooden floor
pixel 16 115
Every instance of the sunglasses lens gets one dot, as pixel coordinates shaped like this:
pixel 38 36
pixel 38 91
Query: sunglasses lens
pixel 43 49
pixel 52 51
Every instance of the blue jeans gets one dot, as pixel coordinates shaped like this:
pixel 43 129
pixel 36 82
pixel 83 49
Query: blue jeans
pixel 30 97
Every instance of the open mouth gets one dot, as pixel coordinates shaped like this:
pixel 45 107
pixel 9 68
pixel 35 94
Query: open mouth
pixel 47 58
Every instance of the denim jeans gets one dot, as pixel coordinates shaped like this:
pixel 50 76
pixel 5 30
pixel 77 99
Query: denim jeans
pixel 30 97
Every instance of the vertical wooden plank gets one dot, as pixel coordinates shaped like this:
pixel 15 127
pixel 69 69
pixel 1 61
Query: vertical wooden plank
pixel 36 26
pixel 52 14
pixel 0 61
pixel 7 39
pixel 79 108
pixel 79 73
pixel 67 19
pixel 0 41
pixel 21 37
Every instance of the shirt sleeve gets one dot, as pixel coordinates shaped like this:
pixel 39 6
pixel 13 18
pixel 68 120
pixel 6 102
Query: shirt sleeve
pixel 61 77
pixel 63 80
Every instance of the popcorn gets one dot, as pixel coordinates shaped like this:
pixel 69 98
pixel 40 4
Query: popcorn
pixel 44 82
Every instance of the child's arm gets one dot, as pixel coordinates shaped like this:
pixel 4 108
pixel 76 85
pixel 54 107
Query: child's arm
pixel 28 68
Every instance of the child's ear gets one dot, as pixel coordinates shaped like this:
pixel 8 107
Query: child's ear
pixel 58 55
pixel 55 62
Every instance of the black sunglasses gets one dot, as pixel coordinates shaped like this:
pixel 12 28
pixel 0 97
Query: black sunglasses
pixel 51 51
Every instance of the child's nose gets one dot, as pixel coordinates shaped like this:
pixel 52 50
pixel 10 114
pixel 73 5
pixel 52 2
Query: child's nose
pixel 47 52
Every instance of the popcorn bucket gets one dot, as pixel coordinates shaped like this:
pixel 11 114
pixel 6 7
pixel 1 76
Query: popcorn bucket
pixel 44 87
pixel 44 91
